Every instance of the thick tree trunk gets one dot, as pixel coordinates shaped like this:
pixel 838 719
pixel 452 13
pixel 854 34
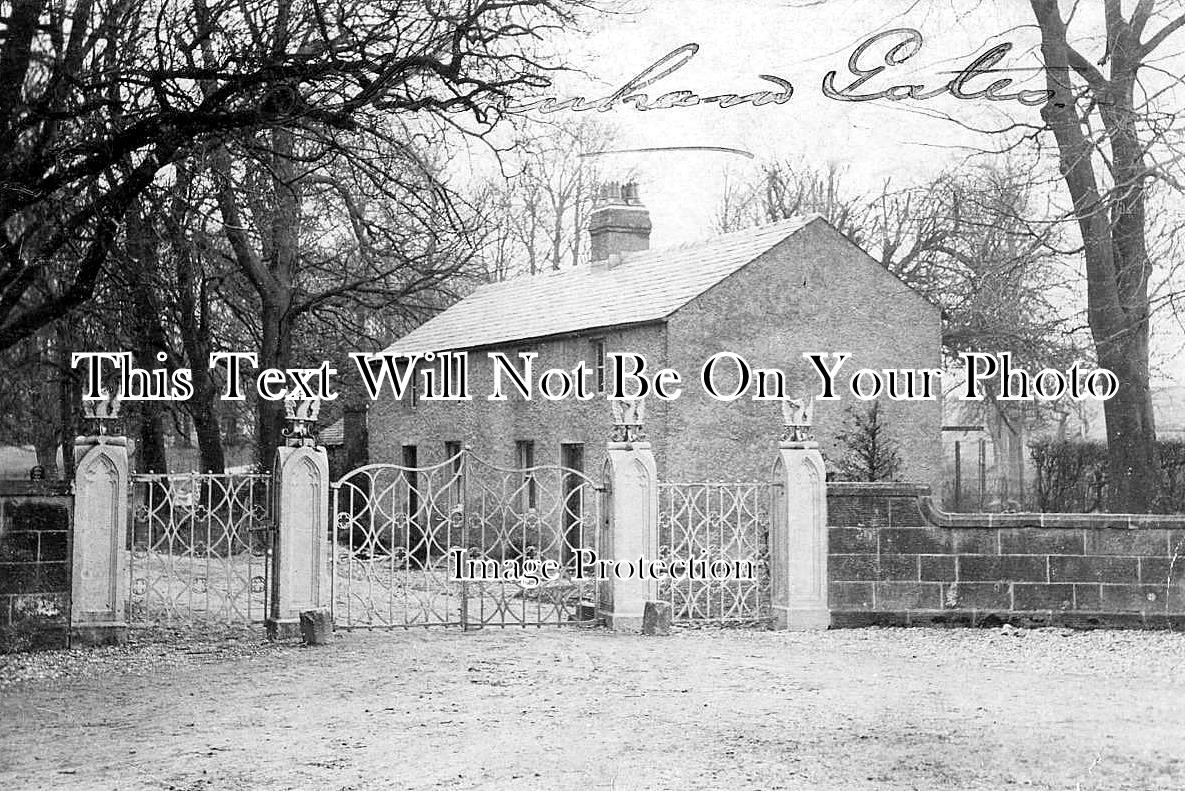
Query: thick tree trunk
pixel 149 337
pixel 203 409
pixel 151 455
pixel 1112 222
pixel 281 256
pixel 68 401
pixel 1133 472
pixel 195 338
pixel 274 352
pixel 193 314
pixel 209 438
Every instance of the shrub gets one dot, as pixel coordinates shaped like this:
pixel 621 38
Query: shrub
pixel 867 450
pixel 1071 475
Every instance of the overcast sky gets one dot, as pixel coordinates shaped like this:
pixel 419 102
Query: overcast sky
pixel 741 40
pixel 904 142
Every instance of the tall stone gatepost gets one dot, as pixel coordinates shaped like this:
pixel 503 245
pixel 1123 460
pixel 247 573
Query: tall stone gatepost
pixel 798 533
pixel 99 573
pixel 300 551
pixel 630 529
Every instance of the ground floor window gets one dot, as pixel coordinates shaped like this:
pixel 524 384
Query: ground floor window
pixel 411 476
pixel 525 451
pixel 572 459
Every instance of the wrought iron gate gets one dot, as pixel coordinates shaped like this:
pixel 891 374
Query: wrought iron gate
pixel 728 522
pixel 200 548
pixel 463 543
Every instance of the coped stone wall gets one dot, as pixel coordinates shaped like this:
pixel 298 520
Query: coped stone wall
pixel 35 527
pixel 894 559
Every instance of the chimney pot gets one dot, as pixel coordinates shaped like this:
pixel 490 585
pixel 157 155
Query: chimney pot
pixel 619 224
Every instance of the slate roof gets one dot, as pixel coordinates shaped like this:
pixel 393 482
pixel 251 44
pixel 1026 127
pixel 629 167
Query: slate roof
pixel 646 286
pixel 333 434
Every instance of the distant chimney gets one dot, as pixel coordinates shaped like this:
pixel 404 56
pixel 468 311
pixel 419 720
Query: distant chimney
pixel 618 223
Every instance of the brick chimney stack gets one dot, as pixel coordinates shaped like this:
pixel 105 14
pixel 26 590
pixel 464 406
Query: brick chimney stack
pixel 618 223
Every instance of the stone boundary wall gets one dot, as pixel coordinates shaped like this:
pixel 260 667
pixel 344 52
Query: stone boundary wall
pixel 35 533
pixel 895 559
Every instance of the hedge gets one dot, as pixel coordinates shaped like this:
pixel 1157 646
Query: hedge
pixel 1071 476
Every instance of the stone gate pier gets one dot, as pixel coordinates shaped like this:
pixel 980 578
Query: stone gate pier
pixel 631 522
pixel 798 530
pixel 99 572
pixel 300 555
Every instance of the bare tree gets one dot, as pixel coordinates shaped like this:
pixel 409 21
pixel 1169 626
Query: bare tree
pixel 787 188
pixel 1113 140
pixel 328 234
pixel 964 240
pixel 961 239
pixel 549 188
pixel 30 404
pixel 96 98
pixel 194 276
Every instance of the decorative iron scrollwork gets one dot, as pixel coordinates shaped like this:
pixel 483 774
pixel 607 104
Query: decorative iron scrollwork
pixel 452 563
pixel 204 570
pixel 707 522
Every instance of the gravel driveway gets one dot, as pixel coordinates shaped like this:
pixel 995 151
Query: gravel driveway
pixel 554 709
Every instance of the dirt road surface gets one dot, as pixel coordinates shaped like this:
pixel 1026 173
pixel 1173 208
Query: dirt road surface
pixel 555 709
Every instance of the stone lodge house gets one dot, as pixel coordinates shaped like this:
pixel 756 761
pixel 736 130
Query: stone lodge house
pixel 768 294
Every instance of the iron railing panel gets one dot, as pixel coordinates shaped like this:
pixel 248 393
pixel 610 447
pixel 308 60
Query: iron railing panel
pixel 727 522
pixel 200 548
pixel 396 529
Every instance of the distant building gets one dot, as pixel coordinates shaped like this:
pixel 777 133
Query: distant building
pixel 345 441
pixel 768 294
pixel 332 438
pixel 16 461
